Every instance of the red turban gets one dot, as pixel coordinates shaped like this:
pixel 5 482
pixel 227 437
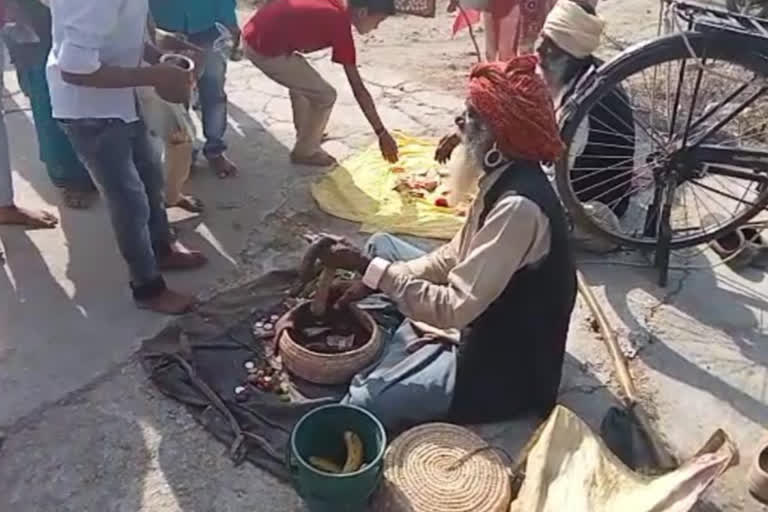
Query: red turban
pixel 515 101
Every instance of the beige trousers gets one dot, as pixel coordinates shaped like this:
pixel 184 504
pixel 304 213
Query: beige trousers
pixel 178 162
pixel 312 98
pixel 173 125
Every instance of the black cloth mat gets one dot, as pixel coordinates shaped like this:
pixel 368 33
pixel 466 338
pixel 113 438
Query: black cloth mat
pixel 198 360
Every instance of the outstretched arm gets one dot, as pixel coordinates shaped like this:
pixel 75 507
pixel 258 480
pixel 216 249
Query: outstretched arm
pixel 515 234
pixel 386 142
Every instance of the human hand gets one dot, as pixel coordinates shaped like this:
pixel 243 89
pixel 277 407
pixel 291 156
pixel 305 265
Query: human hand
pixel 453 5
pixel 236 36
pixel 336 252
pixel 388 147
pixel 344 293
pixel 445 147
pixel 171 83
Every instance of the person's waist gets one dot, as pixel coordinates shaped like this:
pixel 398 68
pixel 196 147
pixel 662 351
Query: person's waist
pixel 203 31
pixel 266 48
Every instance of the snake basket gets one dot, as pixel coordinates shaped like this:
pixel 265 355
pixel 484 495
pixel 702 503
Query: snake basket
pixel 329 369
pixel 440 467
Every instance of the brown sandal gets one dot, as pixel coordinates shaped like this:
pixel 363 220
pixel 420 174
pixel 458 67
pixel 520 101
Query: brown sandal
pixel 190 204
pixel 181 260
pixel 758 476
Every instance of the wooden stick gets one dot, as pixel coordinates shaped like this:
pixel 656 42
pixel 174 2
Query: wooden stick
pixel 320 301
pixel 664 459
pixel 471 33
pixel 609 338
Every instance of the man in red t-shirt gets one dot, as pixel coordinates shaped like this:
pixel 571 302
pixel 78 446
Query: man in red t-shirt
pixel 279 33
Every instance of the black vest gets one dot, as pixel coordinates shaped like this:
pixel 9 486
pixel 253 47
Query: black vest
pixel 511 357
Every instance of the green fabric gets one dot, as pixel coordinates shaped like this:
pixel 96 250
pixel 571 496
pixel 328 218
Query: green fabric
pixel 62 163
pixel 192 16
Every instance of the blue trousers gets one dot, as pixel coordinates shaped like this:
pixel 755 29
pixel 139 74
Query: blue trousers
pixel 127 170
pixel 404 389
pixel 212 97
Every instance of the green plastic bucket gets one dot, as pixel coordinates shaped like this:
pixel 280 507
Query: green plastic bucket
pixel 320 433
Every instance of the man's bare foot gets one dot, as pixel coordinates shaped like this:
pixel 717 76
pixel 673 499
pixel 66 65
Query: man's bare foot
pixel 191 204
pixel 78 199
pixel 32 219
pixel 318 159
pixel 169 303
pixel 222 166
pixel 181 258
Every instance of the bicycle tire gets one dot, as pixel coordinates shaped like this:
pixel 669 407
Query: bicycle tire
pixel 760 11
pixel 717 45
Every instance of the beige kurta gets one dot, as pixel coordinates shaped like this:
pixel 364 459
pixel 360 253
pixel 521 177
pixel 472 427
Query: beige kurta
pixel 451 286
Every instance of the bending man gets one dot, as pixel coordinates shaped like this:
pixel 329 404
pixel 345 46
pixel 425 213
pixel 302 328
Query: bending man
pixel 277 36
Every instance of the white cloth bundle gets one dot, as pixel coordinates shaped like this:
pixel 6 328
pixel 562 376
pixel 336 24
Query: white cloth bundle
pixel 164 119
pixel 573 29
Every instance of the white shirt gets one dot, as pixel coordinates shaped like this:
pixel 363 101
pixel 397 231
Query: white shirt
pixel 451 286
pixel 86 35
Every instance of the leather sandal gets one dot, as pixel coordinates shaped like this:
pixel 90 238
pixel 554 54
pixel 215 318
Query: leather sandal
pixel 731 247
pixel 758 475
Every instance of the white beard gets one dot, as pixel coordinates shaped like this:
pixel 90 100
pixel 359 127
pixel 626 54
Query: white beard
pixel 465 171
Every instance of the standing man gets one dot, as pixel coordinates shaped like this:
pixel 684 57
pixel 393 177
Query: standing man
pixel 196 19
pixel 10 213
pixel 64 168
pixel 278 35
pixel 94 69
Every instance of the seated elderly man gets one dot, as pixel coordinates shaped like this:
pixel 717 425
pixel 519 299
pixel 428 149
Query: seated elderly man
pixel 602 151
pixel 487 314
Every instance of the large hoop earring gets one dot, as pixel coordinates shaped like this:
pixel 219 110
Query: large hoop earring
pixel 494 158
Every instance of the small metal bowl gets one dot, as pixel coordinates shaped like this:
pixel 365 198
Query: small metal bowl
pixel 178 60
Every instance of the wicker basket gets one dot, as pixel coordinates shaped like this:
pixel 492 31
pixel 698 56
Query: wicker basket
pixel 329 369
pixel 440 467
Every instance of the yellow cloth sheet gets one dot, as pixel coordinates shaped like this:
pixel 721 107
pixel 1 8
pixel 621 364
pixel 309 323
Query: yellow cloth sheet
pixel 360 189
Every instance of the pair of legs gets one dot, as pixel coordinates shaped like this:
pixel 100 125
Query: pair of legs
pixel 64 167
pixel 123 164
pixel 515 33
pixel 173 126
pixel 405 387
pixel 10 213
pixel 179 150
pixel 213 103
pixel 312 100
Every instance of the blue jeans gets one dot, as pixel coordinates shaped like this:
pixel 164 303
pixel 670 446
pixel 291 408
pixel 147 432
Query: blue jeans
pixel 64 167
pixel 127 170
pixel 212 97
pixel 405 388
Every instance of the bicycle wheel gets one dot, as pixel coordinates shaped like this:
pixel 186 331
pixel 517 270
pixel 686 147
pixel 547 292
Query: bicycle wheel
pixel 756 8
pixel 660 123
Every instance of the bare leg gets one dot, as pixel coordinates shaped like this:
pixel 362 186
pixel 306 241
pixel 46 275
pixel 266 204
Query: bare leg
pixel 9 212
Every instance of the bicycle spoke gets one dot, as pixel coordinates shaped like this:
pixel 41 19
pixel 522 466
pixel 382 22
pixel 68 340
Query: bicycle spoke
pixel 672 108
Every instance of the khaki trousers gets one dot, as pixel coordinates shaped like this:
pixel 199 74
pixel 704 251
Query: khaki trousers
pixel 178 162
pixel 172 124
pixel 312 98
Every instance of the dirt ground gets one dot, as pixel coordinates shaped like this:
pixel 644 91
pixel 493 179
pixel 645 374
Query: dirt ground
pixel 85 429
pixel 425 49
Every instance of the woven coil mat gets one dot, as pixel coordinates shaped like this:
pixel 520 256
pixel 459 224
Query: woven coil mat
pixel 437 468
